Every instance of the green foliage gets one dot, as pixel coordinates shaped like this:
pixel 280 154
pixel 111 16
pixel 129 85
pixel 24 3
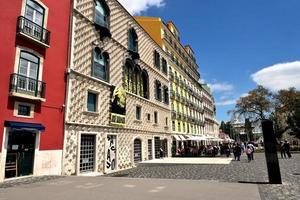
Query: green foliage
pixel 257 105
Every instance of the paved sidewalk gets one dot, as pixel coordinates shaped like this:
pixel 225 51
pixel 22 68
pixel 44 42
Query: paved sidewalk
pixel 179 160
pixel 241 172
pixel 106 188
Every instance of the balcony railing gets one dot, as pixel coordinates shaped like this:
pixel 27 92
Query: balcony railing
pixel 28 86
pixel 33 30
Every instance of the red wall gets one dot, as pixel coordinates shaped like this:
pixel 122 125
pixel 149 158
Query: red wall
pixel 51 112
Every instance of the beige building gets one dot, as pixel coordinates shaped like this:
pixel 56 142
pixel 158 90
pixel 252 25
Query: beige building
pixel 211 127
pixel 118 110
pixel 185 89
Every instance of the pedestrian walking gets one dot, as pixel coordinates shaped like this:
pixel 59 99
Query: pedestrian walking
pixel 249 152
pixel 252 150
pixel 237 152
pixel 282 150
pixel 287 148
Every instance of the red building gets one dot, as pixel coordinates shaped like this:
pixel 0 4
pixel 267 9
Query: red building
pixel 33 60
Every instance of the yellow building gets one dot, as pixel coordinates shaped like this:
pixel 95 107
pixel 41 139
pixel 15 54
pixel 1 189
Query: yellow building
pixel 185 89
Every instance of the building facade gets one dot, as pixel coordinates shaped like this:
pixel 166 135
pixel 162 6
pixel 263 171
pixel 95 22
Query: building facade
pixel 185 90
pixel 117 100
pixel 211 127
pixel 34 52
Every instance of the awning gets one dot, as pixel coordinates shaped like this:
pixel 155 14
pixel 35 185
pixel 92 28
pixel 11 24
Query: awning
pixel 24 125
pixel 177 137
pixel 181 137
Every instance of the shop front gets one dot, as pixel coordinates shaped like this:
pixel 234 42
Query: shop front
pixel 20 147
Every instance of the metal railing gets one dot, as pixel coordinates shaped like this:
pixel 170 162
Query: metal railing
pixel 26 85
pixel 33 30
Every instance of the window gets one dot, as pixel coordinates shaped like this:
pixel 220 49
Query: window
pixel 100 65
pixel 136 80
pixel 167 121
pixel 35 13
pixel 156 59
pixel 166 95
pixel 101 14
pixel 92 102
pixel 179 127
pixel 173 125
pixel 183 127
pixel 155 117
pixel 132 40
pixel 164 66
pixel 148 117
pixel 138 113
pixel 24 110
pixel 158 90
pixel 28 72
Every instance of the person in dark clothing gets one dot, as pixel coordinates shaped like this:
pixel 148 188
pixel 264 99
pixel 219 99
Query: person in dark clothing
pixel 237 150
pixel 282 150
pixel 287 148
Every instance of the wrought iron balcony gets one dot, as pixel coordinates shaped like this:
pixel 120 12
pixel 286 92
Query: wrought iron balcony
pixel 178 96
pixel 173 114
pixel 176 79
pixel 178 115
pixel 171 74
pixel 20 84
pixel 33 31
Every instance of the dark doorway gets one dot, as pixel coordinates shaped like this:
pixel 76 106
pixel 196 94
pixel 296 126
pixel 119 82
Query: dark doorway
pixel 157 147
pixel 137 150
pixel 20 153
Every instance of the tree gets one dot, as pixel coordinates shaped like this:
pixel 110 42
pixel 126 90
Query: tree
pixel 222 126
pixel 294 120
pixel 286 104
pixel 257 105
pixel 248 130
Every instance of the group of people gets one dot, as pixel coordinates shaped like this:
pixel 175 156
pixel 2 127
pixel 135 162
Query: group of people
pixel 285 149
pixel 239 148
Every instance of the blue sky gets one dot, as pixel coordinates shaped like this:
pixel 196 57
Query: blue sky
pixel 237 43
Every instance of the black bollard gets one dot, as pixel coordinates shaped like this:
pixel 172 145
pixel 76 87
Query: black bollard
pixel 270 145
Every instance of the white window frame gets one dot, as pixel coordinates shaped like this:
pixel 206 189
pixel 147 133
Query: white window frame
pixel 16 105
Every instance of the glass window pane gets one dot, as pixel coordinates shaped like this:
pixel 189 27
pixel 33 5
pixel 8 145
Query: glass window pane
pixel 33 70
pixel 29 57
pixel 29 13
pixel 38 19
pixel 91 102
pixel 35 6
pixel 23 67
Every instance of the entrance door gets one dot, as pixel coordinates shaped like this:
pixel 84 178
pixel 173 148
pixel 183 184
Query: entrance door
pixel 137 150
pixel 87 153
pixel 20 153
pixel 165 147
pixel 150 157
pixel 157 147
pixel 111 145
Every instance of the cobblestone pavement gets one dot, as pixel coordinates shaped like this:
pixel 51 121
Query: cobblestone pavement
pixel 254 172
pixel 29 180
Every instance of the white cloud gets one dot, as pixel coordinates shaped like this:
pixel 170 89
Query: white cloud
pixel 226 102
pixel 221 87
pixel 279 76
pixel 135 7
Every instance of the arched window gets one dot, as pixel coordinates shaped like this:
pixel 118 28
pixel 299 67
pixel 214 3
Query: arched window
pixel 102 14
pixel 35 13
pixel 128 75
pixel 100 65
pixel 145 84
pixel 132 40
pixel 166 94
pixel 158 90
pixel 138 80
pixel 28 71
